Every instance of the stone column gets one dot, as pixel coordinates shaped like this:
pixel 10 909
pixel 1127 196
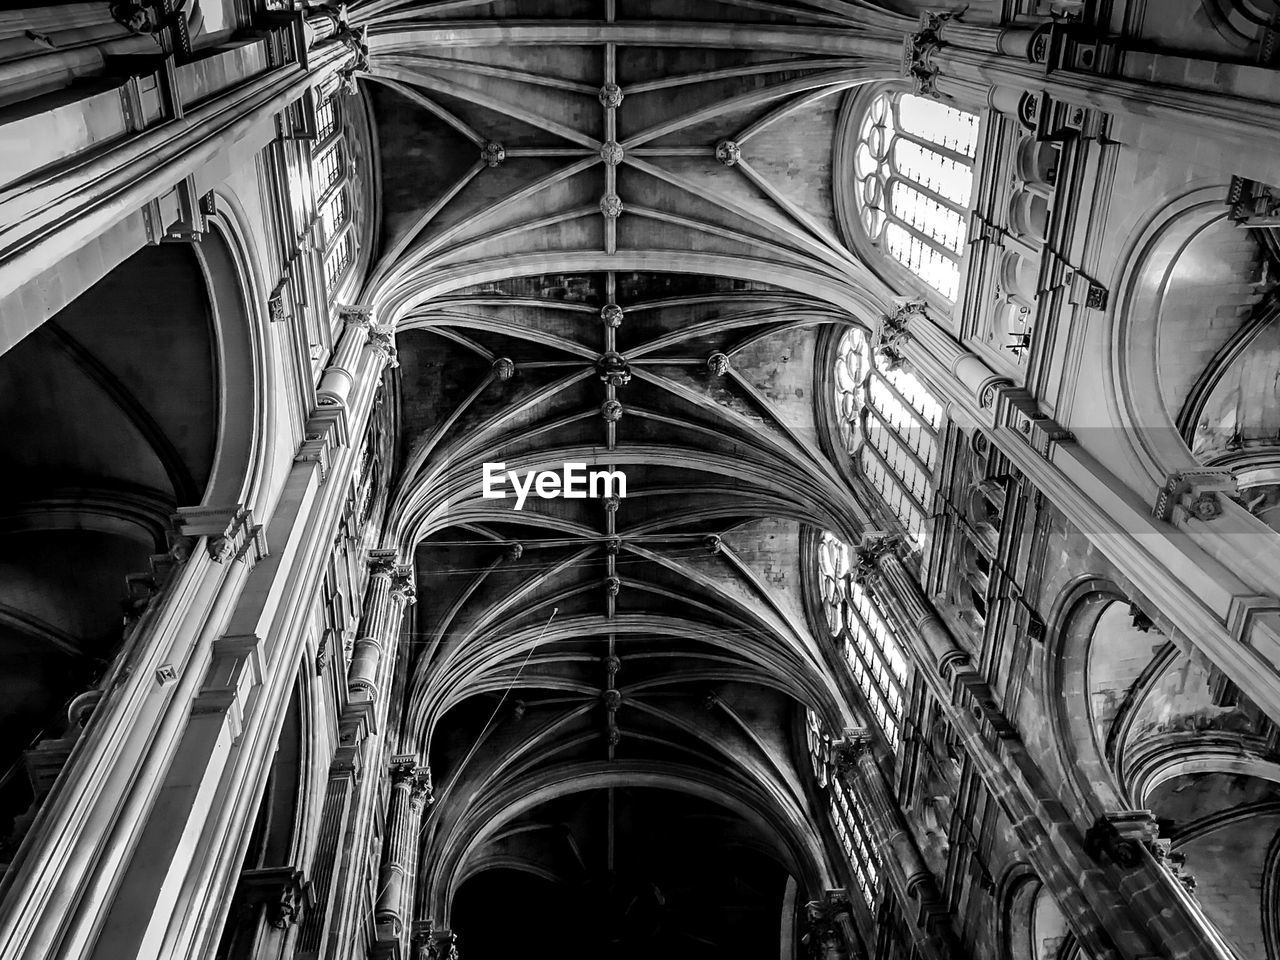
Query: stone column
pixel 410 791
pixel 344 364
pixel 905 867
pixel 390 591
pixel 344 774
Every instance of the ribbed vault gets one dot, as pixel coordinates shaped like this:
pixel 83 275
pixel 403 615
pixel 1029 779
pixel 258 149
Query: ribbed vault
pixel 613 241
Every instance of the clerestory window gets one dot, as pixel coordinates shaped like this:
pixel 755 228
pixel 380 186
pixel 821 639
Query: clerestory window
pixel 889 423
pixel 864 636
pixel 914 172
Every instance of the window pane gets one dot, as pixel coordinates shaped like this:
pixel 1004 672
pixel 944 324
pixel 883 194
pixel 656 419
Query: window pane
pixel 914 183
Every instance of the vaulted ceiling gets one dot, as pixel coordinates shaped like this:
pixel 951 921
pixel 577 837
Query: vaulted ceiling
pixel 612 238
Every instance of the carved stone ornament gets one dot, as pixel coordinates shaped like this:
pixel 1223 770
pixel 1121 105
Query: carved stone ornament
pixel 821 939
pixel 382 563
pixel 612 699
pixel 728 152
pixel 611 410
pixel 283 893
pixel 493 153
pixel 1121 836
pixel 918 50
pixel 713 544
pixel 613 369
pixel 615 735
pixel 718 364
pixel 1253 204
pixel 612 664
pixel 382 338
pixel 504 368
pixel 1196 490
pixel 611 96
pixel 869 550
pixel 846 752
pixel 611 206
pixel 402 585
pixel 611 315
pixel 349 313
pixel 231 531
pixel 613 546
pixel 611 503
pixel 611 152
pixel 894 325
pixel 513 552
pixel 444 946
pixel 612 585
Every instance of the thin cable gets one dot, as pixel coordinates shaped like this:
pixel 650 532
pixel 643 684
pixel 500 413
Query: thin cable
pixel 503 699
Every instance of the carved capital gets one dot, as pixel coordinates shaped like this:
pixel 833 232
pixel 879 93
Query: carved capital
pixel 382 339
pixel 402 584
pixel 869 551
pixel 846 752
pixel 283 892
pixel 354 314
pixel 382 563
pixel 894 325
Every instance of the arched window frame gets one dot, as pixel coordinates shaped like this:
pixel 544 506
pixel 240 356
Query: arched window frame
pixel 865 637
pixel 890 426
pixel 848 819
pixel 867 109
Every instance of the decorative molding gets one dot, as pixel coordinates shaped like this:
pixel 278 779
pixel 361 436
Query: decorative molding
pixel 1121 836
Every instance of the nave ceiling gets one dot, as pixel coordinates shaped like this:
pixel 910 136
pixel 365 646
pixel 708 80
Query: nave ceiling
pixel 659 644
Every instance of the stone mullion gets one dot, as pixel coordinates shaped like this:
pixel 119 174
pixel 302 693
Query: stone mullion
pixel 1112 917
pixel 907 872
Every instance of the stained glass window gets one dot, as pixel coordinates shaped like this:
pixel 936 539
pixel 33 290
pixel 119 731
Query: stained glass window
pixel 864 635
pixel 889 423
pixel 914 173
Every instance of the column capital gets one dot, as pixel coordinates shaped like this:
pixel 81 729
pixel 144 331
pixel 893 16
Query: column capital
pixel 353 314
pixel 382 340
pixel 874 545
pixel 846 752
pixel 382 563
pixel 402 583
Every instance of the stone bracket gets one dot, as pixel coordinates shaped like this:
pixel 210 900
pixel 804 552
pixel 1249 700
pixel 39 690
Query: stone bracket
pixel 1121 836
pixel 231 532
pixel 1017 409
pixel 284 892
pixel 1196 491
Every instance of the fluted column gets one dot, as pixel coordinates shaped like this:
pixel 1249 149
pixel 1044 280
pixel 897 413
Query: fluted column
pixel 907 872
pixel 390 590
pixel 410 790
pixel 1117 910
pixel 344 773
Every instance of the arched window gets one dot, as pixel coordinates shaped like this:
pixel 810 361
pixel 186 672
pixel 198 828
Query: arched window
pixel 914 171
pixel 889 423
pixel 847 816
pixel 331 174
pixel 865 637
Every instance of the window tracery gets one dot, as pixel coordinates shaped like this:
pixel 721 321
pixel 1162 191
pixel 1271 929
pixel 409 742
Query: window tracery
pixel 864 636
pixel 847 817
pixel 889 423
pixel 330 175
pixel 914 172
